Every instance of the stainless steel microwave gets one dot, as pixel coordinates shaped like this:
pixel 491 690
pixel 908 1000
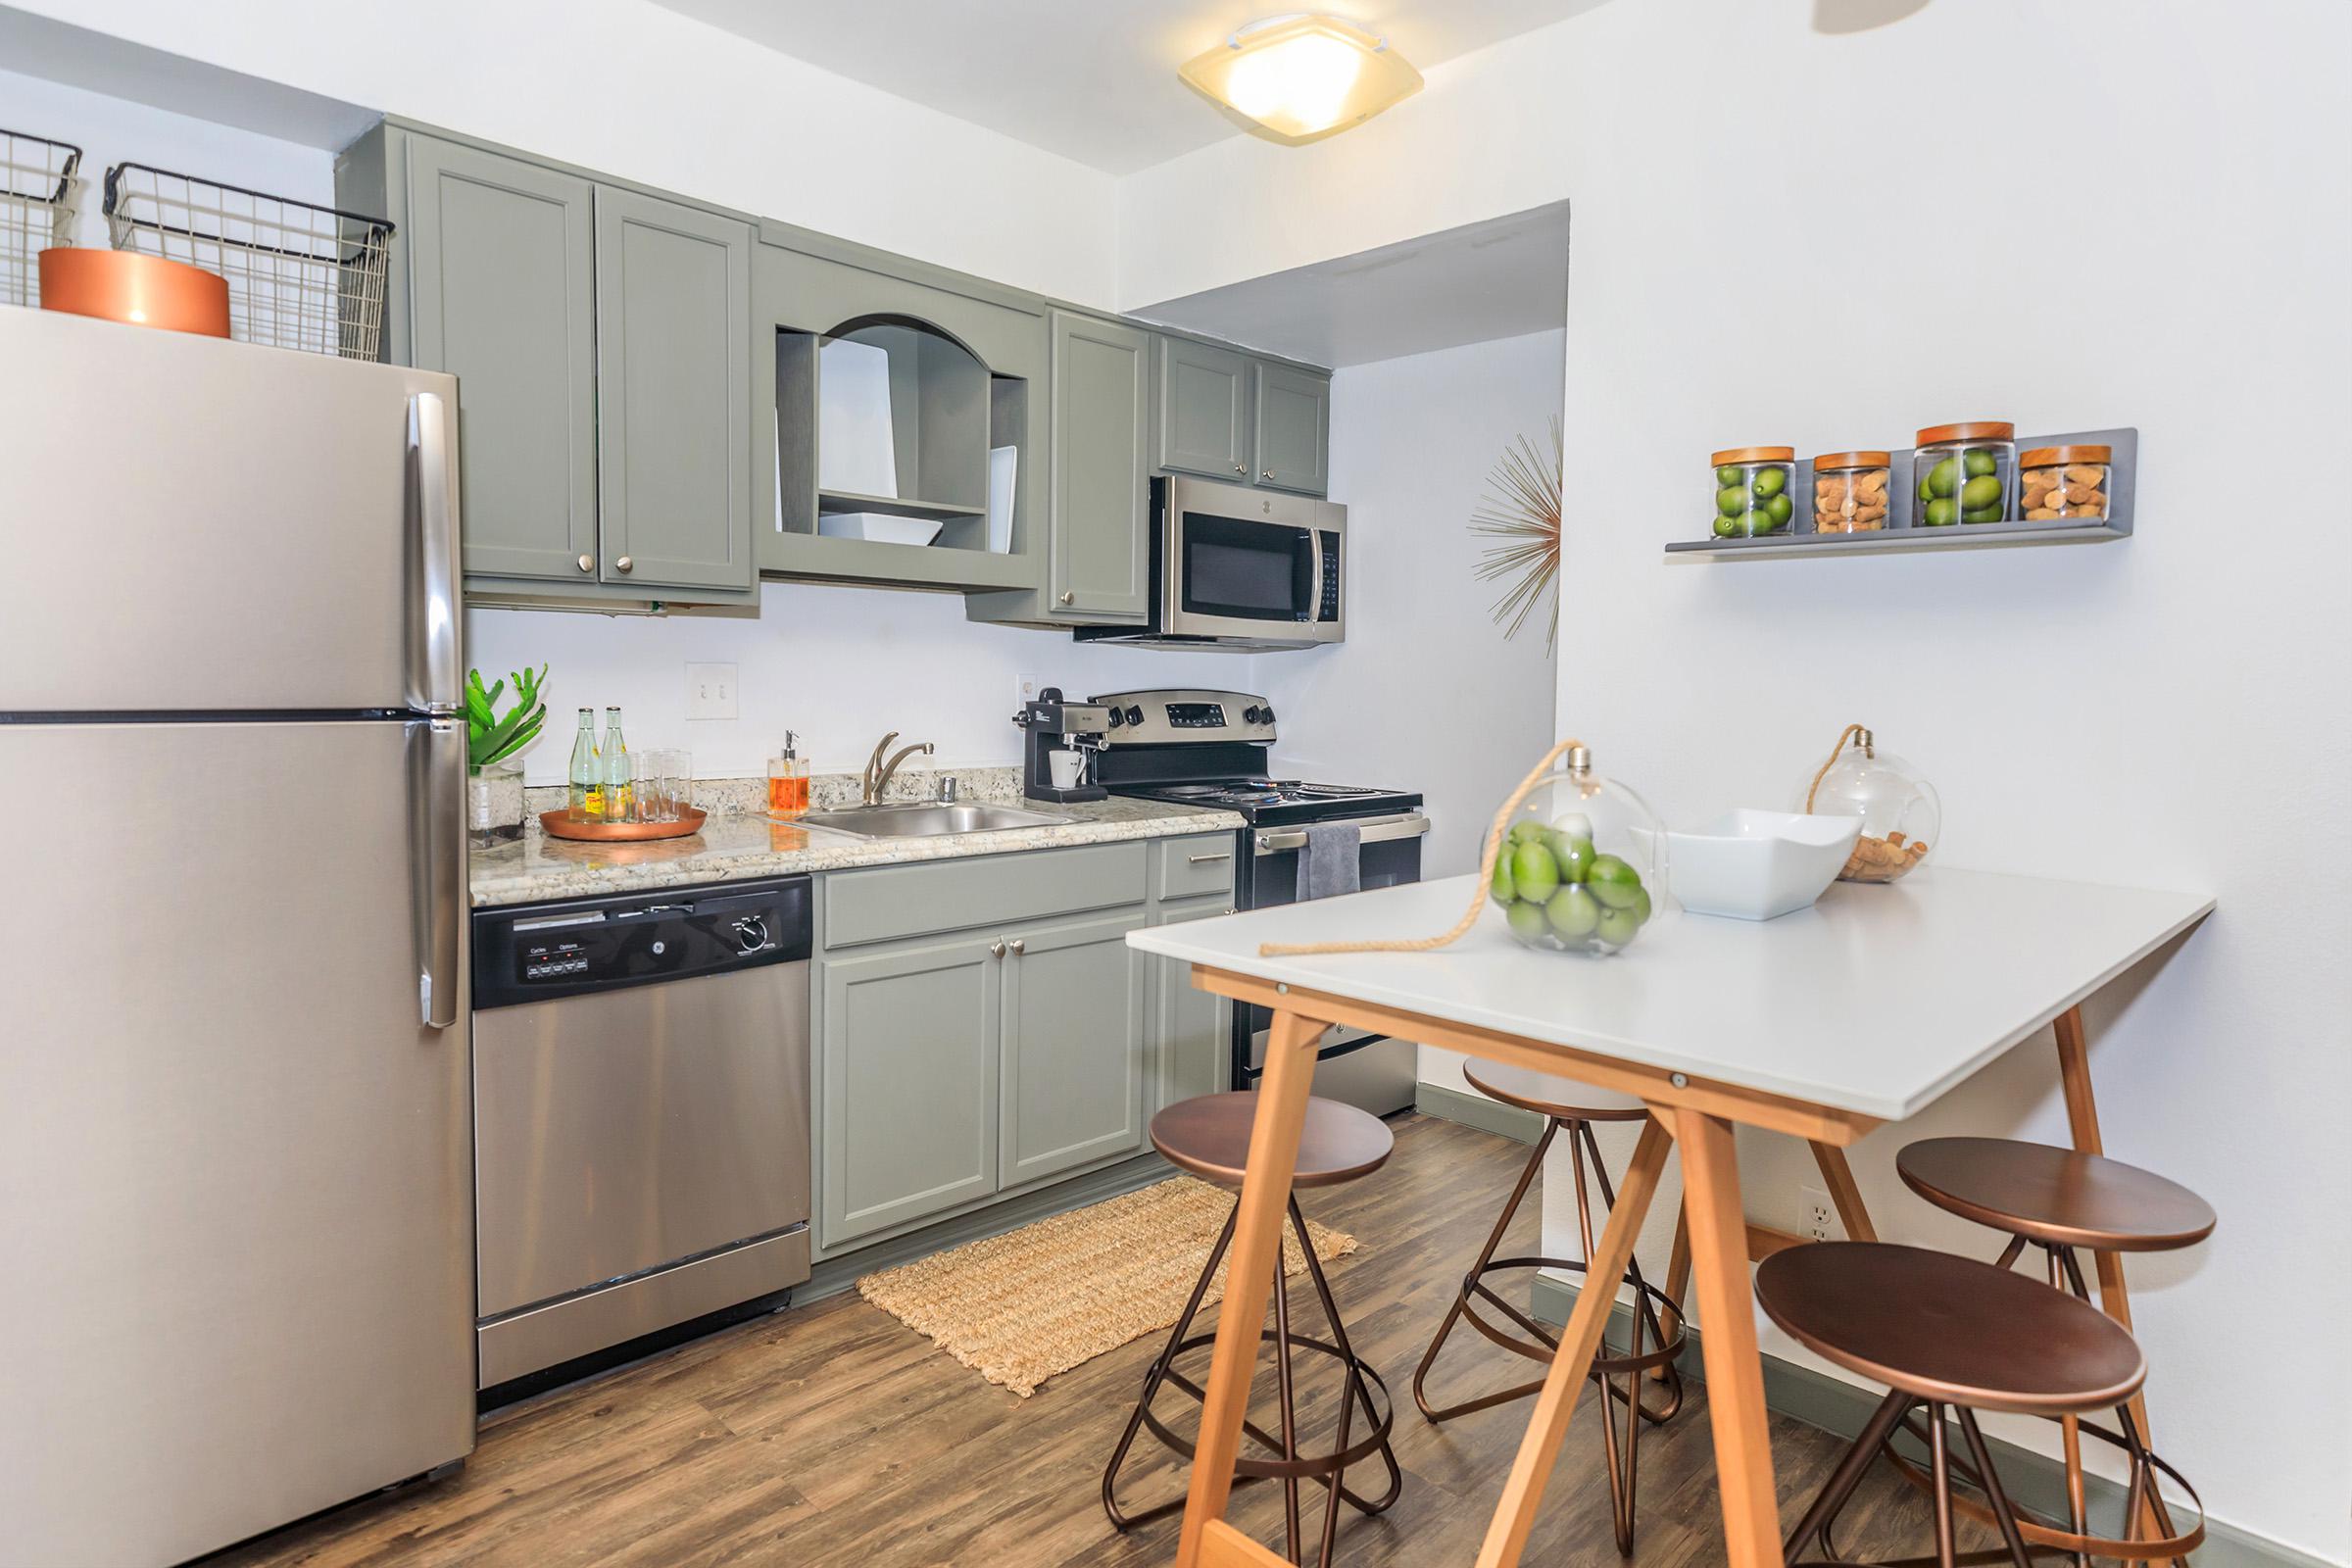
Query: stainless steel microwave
pixel 1240 569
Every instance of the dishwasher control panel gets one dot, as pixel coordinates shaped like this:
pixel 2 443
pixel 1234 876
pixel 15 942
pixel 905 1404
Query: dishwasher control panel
pixel 541 952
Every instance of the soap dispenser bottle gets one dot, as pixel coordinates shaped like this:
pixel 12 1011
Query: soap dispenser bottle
pixel 788 781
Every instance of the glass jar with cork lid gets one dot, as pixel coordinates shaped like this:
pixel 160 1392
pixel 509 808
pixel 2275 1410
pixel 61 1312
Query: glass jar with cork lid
pixel 2056 484
pixel 1966 472
pixel 1753 491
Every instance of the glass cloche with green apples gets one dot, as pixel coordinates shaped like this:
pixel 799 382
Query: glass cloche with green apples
pixel 1582 862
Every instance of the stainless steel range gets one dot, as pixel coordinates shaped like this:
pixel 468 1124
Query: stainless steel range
pixel 1210 749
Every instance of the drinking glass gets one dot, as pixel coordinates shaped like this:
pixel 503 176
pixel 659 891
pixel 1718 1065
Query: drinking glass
pixel 678 775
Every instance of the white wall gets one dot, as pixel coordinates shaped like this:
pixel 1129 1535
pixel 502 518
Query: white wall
pixel 1426 694
pixel 110 131
pixel 841 666
pixel 2157 208
pixel 628 88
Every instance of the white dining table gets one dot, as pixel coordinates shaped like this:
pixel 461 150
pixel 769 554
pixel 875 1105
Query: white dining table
pixel 1823 1024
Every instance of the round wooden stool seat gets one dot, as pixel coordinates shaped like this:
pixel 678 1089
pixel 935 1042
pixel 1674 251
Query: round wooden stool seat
pixel 1563 1099
pixel 2055 1196
pixel 1950 1329
pixel 1209 1136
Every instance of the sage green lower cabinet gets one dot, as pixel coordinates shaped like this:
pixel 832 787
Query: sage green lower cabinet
pixel 1294 429
pixel 907 1066
pixel 1191 1047
pixel 673 312
pixel 1073 1052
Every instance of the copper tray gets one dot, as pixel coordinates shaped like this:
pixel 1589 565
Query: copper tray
pixel 559 826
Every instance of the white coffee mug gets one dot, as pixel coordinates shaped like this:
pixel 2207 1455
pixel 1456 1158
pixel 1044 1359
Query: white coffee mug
pixel 1066 767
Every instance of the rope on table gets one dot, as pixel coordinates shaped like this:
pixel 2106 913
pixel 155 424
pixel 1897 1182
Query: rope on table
pixel 1851 732
pixel 1478 898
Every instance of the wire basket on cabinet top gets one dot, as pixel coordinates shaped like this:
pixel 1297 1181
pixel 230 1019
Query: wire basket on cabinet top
pixel 37 197
pixel 299 276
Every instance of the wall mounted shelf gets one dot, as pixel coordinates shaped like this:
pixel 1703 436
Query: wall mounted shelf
pixel 837 501
pixel 1909 538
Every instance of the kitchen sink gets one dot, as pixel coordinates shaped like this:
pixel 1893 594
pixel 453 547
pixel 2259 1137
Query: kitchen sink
pixel 927 820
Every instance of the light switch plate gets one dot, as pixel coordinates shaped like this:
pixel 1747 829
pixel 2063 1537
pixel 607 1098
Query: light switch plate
pixel 711 691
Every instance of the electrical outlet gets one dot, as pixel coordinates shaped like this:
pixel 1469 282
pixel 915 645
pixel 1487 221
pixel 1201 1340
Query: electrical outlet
pixel 1026 689
pixel 1820 1217
pixel 711 691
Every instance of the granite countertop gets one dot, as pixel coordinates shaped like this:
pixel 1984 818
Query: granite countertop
pixel 731 847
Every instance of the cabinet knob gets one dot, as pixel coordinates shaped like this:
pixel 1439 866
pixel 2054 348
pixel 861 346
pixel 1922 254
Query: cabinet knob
pixel 1018 947
pixel 1241 468
pixel 623 564
pixel 587 563
pixel 1068 598
pixel 996 950
pixel 1268 474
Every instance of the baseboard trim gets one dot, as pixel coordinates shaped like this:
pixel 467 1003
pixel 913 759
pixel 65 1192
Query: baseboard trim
pixel 1477 1110
pixel 1840 1407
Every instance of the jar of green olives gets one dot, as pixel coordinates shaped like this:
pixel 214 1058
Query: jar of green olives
pixel 1965 472
pixel 1752 491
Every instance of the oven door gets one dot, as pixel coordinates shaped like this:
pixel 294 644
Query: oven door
pixel 1242 564
pixel 1372 1071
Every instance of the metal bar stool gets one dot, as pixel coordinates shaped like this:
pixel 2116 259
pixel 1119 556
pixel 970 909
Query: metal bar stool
pixel 1569 1108
pixel 2060 1200
pixel 1209 1136
pixel 1952 1337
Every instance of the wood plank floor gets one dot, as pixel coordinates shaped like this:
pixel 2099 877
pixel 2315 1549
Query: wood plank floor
pixel 833 1436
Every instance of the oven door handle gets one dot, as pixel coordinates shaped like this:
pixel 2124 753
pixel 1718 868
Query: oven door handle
pixel 1375 830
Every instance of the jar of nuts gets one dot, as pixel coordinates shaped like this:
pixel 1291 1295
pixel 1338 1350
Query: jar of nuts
pixel 1965 472
pixel 1849 492
pixel 1752 491
pixel 2055 482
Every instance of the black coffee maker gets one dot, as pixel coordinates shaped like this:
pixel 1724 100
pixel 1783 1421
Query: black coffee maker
pixel 1051 726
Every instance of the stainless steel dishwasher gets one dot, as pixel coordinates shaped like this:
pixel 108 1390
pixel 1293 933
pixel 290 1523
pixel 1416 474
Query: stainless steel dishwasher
pixel 641 1115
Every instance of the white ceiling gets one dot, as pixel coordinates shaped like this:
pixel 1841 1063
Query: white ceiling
pixel 1092 80
pixel 1503 277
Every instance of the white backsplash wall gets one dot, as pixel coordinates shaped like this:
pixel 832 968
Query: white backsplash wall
pixel 838 665
pixel 113 131
pixel 1426 694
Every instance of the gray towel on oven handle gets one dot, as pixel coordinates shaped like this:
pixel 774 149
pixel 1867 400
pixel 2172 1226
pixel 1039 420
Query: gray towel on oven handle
pixel 1331 863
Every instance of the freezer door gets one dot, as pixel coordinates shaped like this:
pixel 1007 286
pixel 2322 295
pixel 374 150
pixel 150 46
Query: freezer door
pixel 200 525
pixel 235 1183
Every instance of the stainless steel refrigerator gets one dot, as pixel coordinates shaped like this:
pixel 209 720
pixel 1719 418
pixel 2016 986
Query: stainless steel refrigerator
pixel 236 1179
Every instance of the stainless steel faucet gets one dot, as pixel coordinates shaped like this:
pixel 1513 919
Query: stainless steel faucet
pixel 878 772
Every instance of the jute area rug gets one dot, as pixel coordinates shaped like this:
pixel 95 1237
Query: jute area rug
pixel 1020 1308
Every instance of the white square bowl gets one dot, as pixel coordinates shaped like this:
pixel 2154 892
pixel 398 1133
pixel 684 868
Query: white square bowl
pixel 880 526
pixel 1758 865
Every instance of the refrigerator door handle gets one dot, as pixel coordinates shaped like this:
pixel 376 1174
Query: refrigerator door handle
pixel 437 792
pixel 433 673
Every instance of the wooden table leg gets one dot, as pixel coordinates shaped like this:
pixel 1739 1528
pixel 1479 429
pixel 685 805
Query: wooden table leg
pixel 1839 1176
pixel 1282 1094
pixel 1727 1314
pixel 1678 1280
pixel 1572 1362
pixel 2082 1119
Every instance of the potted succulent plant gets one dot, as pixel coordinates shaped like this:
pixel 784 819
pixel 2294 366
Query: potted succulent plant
pixel 494 742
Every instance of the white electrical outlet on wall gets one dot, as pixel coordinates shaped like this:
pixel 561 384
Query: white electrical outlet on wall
pixel 1820 1218
pixel 711 691
pixel 1027 688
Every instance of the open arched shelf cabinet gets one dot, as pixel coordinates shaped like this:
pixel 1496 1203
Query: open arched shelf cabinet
pixel 927 383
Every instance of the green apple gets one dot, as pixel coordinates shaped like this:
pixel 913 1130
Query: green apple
pixel 1616 926
pixel 1573 912
pixel 1527 921
pixel 1613 882
pixel 1534 874
pixel 1504 888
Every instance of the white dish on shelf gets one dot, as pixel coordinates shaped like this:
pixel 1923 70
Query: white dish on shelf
pixel 1758 865
pixel 855 444
pixel 878 526
pixel 1003 467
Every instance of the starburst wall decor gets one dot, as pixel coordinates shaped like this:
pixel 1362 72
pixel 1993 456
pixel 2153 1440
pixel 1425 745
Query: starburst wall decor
pixel 1522 510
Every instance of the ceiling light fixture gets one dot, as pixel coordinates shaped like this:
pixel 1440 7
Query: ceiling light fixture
pixel 1299 78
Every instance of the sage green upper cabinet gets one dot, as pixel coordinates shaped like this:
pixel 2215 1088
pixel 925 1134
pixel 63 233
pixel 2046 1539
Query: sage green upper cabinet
pixel 673 311
pixel 1202 396
pixel 1294 429
pixel 1102 390
pixel 500 268
pixel 907 1066
pixel 1074 1056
